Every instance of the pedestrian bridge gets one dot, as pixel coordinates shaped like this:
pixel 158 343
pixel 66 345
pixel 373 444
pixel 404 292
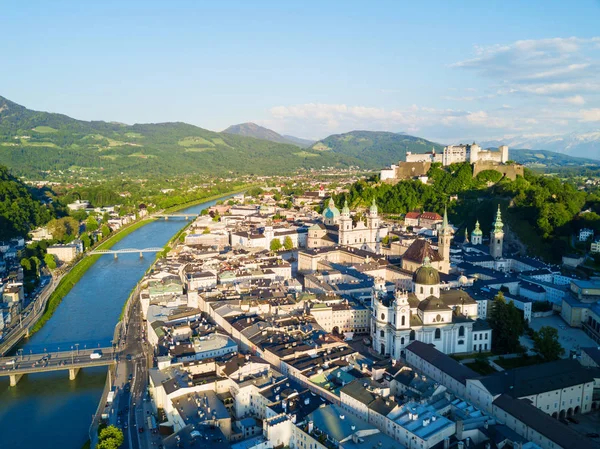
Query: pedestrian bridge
pixel 15 367
pixel 175 215
pixel 116 252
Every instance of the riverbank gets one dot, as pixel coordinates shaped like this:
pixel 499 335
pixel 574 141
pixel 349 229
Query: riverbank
pixel 75 273
pixel 216 196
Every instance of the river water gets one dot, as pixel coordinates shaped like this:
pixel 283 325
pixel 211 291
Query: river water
pixel 47 410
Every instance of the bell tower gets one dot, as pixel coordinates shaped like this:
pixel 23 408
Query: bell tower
pixel 497 236
pixel 444 240
pixel 477 235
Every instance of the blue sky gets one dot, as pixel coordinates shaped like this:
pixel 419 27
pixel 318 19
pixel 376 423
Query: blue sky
pixel 440 70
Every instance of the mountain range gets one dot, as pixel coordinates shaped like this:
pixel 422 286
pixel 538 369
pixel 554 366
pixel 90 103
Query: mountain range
pixel 34 144
pixel 578 145
pixel 260 132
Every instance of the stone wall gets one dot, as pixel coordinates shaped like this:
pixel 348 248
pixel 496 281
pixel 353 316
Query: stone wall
pixel 409 170
pixel 509 171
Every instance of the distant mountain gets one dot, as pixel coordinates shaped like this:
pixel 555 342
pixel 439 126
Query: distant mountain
pixel 375 149
pixel 549 159
pixel 302 143
pixel 578 145
pixel 34 143
pixel 260 132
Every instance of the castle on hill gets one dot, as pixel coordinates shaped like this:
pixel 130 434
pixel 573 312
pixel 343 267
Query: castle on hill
pixel 416 165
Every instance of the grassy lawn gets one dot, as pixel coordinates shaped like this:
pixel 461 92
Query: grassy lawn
pixel 481 367
pixel 195 141
pixel 471 355
pixel 305 154
pixel 519 361
pixel 44 129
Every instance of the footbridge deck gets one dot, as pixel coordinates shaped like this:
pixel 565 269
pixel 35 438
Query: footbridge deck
pixel 74 360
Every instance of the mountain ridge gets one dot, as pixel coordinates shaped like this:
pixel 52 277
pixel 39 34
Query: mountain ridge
pixel 250 129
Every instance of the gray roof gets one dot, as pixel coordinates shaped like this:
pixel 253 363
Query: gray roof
pixel 543 423
pixel 441 361
pixel 536 379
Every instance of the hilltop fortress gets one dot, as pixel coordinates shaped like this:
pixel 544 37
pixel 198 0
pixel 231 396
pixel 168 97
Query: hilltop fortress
pixel 417 165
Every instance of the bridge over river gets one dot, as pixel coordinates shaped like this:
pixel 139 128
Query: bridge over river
pixel 17 366
pixel 116 252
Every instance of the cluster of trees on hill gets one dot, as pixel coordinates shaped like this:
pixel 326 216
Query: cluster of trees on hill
pixel 544 211
pixel 19 209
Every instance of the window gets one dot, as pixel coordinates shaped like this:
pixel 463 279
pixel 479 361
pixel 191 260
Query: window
pixel 475 337
pixel 431 291
pixel 486 336
pixel 383 317
pixel 411 335
pixel 438 334
pixel 402 342
pixel 421 290
pixel 403 320
pixel 461 331
pixel 382 334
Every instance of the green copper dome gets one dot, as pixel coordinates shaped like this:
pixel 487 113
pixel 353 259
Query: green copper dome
pixel 426 275
pixel 373 208
pixel 346 209
pixel 331 212
pixel 477 230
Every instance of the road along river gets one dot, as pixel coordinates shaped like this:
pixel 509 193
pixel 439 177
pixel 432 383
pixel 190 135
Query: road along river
pixel 48 411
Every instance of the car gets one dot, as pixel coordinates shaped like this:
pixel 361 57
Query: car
pixel 11 362
pixel 141 429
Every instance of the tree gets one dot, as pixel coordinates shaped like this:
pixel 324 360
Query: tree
pixel 26 264
pixel 50 261
pixel 86 240
pixel 546 344
pixel 287 243
pixel 112 432
pixel 105 231
pixel 64 229
pixel 91 224
pixel 275 245
pixel 507 325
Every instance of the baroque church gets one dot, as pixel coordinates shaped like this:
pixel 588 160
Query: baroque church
pixel 338 228
pixel 446 318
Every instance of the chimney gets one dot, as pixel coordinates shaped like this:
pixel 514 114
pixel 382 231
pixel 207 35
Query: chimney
pixel 468 441
pixel 310 427
pixel 447 443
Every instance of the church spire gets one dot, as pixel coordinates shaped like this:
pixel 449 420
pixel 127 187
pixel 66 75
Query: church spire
pixel 498 225
pixel 373 209
pixel 445 224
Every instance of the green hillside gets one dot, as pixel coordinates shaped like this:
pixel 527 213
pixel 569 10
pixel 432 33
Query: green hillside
pixel 20 210
pixel 33 143
pixel 374 149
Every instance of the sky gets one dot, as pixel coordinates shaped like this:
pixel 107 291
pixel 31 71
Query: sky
pixel 444 70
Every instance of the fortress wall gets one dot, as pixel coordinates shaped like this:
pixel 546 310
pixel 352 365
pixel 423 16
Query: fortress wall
pixel 510 171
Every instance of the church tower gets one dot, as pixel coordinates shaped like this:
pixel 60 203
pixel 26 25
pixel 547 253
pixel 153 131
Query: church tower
pixel 497 236
pixel 345 225
pixel 477 235
pixel 444 239
pixel 373 221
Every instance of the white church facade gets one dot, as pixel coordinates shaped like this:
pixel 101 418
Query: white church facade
pixel 448 319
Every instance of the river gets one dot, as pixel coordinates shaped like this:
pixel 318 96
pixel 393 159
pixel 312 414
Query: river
pixel 48 411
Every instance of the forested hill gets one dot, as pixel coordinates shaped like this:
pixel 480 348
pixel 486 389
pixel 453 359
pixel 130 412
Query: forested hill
pixel 32 143
pixel 375 149
pixel 542 211
pixel 19 210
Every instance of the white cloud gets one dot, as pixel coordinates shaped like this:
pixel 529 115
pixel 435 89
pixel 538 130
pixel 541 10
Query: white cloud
pixel 590 115
pixel 544 67
pixel 577 100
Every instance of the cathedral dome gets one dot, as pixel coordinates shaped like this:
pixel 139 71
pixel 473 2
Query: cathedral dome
pixel 426 275
pixel 331 212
